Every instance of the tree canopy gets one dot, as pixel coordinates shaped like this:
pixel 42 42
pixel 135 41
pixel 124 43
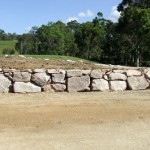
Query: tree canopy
pixel 125 42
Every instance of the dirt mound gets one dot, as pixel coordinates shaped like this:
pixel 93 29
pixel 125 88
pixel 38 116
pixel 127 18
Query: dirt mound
pixel 31 63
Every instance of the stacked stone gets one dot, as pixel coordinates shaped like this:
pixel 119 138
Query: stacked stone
pixel 58 80
pixel 78 81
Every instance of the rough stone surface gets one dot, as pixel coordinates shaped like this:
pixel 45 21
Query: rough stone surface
pixel 148 74
pixel 76 84
pixel 96 74
pixel 137 83
pixel 38 70
pixel 47 88
pixel 119 71
pixel 117 76
pixel 58 87
pixel 105 77
pixel 100 85
pixel 58 78
pixel 21 87
pixel 40 79
pixel 73 73
pixel 133 73
pixel 118 85
pixel 9 70
pixel 56 71
pixel 21 76
pixel 86 72
pixel 4 84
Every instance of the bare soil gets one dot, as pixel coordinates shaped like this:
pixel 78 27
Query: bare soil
pixel 15 62
pixel 79 121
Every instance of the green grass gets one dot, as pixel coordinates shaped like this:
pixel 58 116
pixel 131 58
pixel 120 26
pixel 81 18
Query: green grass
pixel 7 44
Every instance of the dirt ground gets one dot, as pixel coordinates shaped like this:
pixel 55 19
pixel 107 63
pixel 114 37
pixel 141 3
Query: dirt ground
pixel 32 63
pixel 79 121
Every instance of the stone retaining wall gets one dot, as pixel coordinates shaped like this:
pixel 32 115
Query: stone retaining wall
pixel 58 80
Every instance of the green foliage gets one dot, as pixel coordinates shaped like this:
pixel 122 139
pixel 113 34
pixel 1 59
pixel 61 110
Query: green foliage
pixel 8 51
pixel 125 42
pixel 7 45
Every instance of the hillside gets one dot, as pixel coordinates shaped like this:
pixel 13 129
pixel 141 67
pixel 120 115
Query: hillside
pixel 7 44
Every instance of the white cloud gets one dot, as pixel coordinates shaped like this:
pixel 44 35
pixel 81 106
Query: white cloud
pixel 27 29
pixel 82 14
pixel 72 19
pixel 114 16
pixel 88 13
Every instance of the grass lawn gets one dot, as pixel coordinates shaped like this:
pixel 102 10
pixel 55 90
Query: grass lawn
pixel 7 44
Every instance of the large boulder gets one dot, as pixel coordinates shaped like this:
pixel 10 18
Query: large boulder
pixel 96 74
pixel 130 73
pixel 86 72
pixel 5 84
pixel 73 73
pixel 58 78
pixel 58 87
pixel 76 84
pixel 21 76
pixel 40 78
pixel 117 76
pixel 137 83
pixel 148 74
pixel 56 71
pixel 21 87
pixel 118 85
pixel 100 85
pixel 38 70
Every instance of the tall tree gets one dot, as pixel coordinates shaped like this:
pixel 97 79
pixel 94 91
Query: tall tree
pixel 134 24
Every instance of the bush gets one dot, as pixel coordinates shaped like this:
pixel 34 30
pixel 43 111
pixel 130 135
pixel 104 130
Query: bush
pixel 8 51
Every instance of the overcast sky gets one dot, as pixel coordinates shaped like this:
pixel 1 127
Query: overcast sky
pixel 20 15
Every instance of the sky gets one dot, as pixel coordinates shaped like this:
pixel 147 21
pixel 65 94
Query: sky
pixel 18 16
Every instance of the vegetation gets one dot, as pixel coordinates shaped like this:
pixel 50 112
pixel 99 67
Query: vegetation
pixel 7 45
pixel 125 42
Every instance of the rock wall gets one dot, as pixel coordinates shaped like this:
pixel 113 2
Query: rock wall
pixel 58 80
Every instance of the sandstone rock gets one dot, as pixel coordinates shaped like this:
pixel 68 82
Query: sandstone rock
pixel 96 74
pixel 137 83
pixel 58 87
pixel 58 78
pixel 21 76
pixel 4 84
pixel 118 85
pixel 21 87
pixel 52 71
pixel 133 73
pixel 100 85
pixel 47 88
pixel 148 74
pixel 40 78
pixel 119 71
pixel 117 76
pixel 76 84
pixel 105 77
pixel 9 70
pixel 86 72
pixel 22 56
pixel 38 70
pixel 73 73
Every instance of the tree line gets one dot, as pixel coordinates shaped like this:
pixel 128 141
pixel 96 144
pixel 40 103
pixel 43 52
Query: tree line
pixel 126 42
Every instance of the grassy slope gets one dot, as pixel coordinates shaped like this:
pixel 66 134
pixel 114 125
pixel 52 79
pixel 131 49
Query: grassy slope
pixel 7 44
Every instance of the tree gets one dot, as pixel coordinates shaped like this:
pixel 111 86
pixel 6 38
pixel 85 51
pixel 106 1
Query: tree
pixel 136 3
pixel 134 24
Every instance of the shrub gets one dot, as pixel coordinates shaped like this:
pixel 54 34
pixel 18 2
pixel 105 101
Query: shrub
pixel 8 51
